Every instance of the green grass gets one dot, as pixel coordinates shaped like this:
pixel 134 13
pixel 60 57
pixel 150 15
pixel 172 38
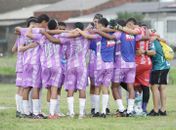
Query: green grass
pixel 7 65
pixel 9 122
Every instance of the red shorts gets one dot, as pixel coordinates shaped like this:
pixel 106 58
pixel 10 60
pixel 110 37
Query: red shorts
pixel 143 74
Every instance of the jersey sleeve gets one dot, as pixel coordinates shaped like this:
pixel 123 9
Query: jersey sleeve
pixel 138 37
pixel 152 46
pixel 117 35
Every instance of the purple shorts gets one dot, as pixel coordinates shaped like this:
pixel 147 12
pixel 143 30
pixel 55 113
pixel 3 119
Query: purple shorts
pixel 127 75
pixel 76 79
pixel 32 76
pixel 103 77
pixel 51 77
pixel 19 79
pixel 116 75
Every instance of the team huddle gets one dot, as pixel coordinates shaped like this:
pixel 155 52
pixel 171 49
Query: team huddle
pixel 104 55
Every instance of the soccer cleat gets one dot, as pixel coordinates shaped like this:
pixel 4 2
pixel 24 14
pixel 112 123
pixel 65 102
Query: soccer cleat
pixel 38 117
pixel 18 114
pixel 162 113
pixel 93 111
pixel 70 115
pixel 96 114
pixel 53 117
pixel 43 116
pixel 81 116
pixel 129 114
pixel 61 114
pixel 103 115
pixel 27 116
pixel 153 113
pixel 121 114
pixel 107 111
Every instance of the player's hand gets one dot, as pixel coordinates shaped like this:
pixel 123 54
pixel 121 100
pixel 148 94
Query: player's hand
pixel 42 31
pixel 118 27
pixel 139 52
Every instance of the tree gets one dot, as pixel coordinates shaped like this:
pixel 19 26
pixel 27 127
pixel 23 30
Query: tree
pixel 126 15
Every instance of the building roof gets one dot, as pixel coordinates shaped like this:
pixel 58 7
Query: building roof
pixel 21 13
pixel 69 5
pixel 11 22
pixel 141 7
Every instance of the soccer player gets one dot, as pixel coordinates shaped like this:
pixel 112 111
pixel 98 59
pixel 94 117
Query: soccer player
pixel 76 69
pixel 51 68
pixel 103 67
pixel 91 62
pixel 62 26
pixel 19 77
pixel 43 20
pixel 127 63
pixel 31 72
pixel 143 66
pixel 158 79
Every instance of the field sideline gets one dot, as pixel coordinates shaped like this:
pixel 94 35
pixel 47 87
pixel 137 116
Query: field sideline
pixel 8 121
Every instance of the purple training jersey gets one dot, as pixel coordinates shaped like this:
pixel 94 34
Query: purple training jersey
pixel 32 55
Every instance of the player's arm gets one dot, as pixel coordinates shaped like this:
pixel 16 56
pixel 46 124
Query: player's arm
pixel 85 35
pixel 14 48
pixel 106 35
pixel 52 32
pixel 50 37
pixel 71 34
pixel 147 52
pixel 128 30
pixel 23 47
pixel 29 32
pixel 17 30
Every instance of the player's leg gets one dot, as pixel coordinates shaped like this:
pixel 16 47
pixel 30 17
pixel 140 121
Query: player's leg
pixel 53 103
pixel 26 110
pixel 129 79
pixel 92 96
pixel 106 81
pixel 145 98
pixel 36 80
pixel 97 79
pixel 82 103
pixel 70 82
pixel 154 81
pixel 162 90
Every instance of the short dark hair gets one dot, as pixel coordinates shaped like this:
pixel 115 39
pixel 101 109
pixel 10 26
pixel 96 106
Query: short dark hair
pixel 112 23
pixel 103 21
pixel 121 22
pixel 98 16
pixel 62 24
pixel 131 20
pixel 31 19
pixel 43 17
pixel 52 24
pixel 79 25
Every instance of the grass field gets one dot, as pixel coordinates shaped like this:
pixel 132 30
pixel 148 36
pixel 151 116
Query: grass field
pixel 8 121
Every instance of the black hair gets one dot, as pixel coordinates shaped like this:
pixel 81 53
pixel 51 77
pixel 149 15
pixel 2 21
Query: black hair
pixel 121 22
pixel 112 23
pixel 52 24
pixel 103 21
pixel 62 24
pixel 98 16
pixel 43 17
pixel 79 25
pixel 31 19
pixel 132 20
pixel 143 24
